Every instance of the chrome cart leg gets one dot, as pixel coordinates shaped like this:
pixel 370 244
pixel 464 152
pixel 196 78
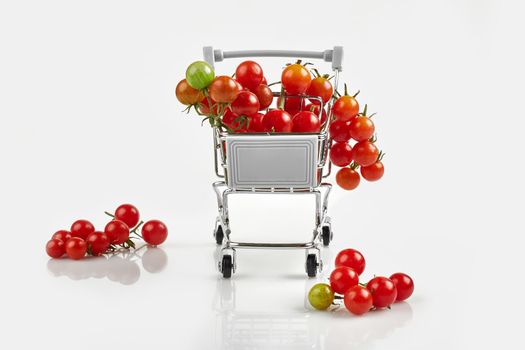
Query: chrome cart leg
pixel 219 230
pixel 326 223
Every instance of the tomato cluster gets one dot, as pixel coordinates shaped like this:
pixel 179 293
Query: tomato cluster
pixel 359 298
pixel 82 238
pixel 241 104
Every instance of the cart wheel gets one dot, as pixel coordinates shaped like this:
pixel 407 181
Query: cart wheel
pixel 227 266
pixel 327 235
pixel 219 235
pixel 311 265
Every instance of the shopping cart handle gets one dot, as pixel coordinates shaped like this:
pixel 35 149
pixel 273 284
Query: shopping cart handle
pixel 334 55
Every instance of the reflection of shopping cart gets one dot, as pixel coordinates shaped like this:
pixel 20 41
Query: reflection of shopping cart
pixel 274 163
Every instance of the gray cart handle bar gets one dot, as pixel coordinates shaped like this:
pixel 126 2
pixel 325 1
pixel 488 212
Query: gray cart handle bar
pixel 334 55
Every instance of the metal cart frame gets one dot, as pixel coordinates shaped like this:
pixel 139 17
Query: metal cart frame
pixel 266 163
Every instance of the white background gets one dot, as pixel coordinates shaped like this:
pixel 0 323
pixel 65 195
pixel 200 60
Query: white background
pixel 89 120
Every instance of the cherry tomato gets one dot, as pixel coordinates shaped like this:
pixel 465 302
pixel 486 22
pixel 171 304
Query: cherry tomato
pixel 404 285
pixel 365 153
pixel 76 248
pixel 55 248
pixel 340 130
pixel 358 300
pixel 224 89
pixel 306 122
pixel 314 108
pixel 128 214
pixel 361 128
pixel 249 74
pixel 343 278
pixel 117 231
pixel 154 232
pixel 186 94
pixel 264 95
pixel 246 103
pixel 341 154
pixel 277 120
pixel 82 228
pixel 264 82
pixel 204 107
pixel 351 258
pixel 98 243
pixel 256 123
pixel 62 235
pixel 373 172
pixel 345 108
pixel 383 291
pixel 199 75
pixel 292 105
pixel 320 87
pixel 295 79
pixel 347 178
pixel 321 296
pixel 234 122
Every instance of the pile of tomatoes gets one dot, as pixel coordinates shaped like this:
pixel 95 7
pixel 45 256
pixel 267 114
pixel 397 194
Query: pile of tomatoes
pixel 242 104
pixel 82 238
pixel 379 292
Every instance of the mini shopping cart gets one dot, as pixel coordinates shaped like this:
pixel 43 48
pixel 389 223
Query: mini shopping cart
pixel 293 163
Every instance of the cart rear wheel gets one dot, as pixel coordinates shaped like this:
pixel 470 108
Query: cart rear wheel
pixel 227 266
pixel 219 235
pixel 311 265
pixel 327 235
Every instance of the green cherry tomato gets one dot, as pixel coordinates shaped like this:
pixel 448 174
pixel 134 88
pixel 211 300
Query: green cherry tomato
pixel 199 75
pixel 321 296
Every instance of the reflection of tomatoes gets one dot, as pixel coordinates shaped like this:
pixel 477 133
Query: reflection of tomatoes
pixel 295 79
pixel 320 87
pixel 249 74
pixel 341 154
pixel 277 120
pixel 246 103
pixel 365 153
pixel 256 123
pixel 186 94
pixel 223 89
pixel 345 108
pixel 265 96
pixel 306 122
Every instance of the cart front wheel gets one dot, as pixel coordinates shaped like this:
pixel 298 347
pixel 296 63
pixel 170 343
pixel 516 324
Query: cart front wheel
pixel 327 235
pixel 311 265
pixel 219 235
pixel 227 266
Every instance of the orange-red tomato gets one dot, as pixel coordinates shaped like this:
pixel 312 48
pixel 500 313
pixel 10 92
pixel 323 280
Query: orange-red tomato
pixel 295 79
pixel 320 87
pixel 224 89
pixel 345 108
pixel 365 153
pixel 373 172
pixel 186 94
pixel 361 128
pixel 347 178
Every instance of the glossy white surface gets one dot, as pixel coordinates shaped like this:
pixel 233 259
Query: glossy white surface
pixel 89 120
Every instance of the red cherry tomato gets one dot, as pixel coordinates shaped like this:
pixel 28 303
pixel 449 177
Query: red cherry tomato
pixel 340 131
pixel 373 172
pixel 76 248
pixel 345 108
pixel 365 153
pixel 249 74
pixel 347 178
pixel 224 89
pixel 128 214
pixel 98 243
pixel 306 122
pixel 55 248
pixel 204 107
pixel 117 231
pixel 234 122
pixel 341 154
pixel 292 105
pixel 343 278
pixel 62 235
pixel 277 120
pixel 295 79
pixel 404 285
pixel 256 123
pixel 320 87
pixel 314 108
pixel 351 258
pixel 361 128
pixel 383 291
pixel 246 103
pixel 82 228
pixel 264 95
pixel 186 94
pixel 264 82
pixel 154 232
pixel 358 300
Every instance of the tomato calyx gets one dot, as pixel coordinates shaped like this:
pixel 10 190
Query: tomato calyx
pixel 299 62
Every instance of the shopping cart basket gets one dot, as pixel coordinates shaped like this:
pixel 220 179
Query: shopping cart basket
pixel 292 163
